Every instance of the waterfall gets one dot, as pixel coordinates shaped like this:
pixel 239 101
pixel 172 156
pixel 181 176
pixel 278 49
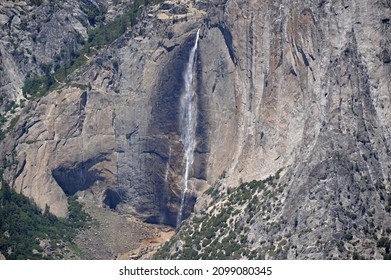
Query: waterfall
pixel 188 123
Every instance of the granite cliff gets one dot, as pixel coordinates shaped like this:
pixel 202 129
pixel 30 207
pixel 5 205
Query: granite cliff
pixel 292 97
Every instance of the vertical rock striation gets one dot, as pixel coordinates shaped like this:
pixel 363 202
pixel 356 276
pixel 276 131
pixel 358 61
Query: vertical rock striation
pixel 303 86
pixel 297 86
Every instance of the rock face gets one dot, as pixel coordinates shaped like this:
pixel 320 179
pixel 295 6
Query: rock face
pixel 301 86
pixel 36 38
pixel 294 81
pixel 308 92
pixel 112 141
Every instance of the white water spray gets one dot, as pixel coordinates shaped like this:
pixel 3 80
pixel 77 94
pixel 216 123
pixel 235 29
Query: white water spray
pixel 188 123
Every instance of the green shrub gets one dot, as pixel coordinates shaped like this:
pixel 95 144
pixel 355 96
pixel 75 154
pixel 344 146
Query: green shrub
pixel 3 119
pixel 37 86
pixel 357 256
pixel 46 68
pixel 11 106
pixel 209 191
pixel 223 175
pixel 26 224
pixel 246 196
pixel 36 2
pixel 189 254
pixel 13 123
pixel 383 242
pixel 348 236
pixel 95 13
pixel 2 135
pixel 80 86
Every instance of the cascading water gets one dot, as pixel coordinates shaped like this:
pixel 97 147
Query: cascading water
pixel 188 123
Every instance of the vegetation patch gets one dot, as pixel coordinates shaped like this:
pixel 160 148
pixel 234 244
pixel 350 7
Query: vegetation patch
pixel 99 37
pixel 13 122
pixel 27 233
pixel 222 232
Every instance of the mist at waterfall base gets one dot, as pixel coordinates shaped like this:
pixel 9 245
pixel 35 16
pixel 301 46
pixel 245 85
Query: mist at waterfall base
pixel 188 124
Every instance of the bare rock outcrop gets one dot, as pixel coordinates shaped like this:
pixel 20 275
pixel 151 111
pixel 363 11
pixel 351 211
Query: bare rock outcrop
pixel 297 86
pixel 37 38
